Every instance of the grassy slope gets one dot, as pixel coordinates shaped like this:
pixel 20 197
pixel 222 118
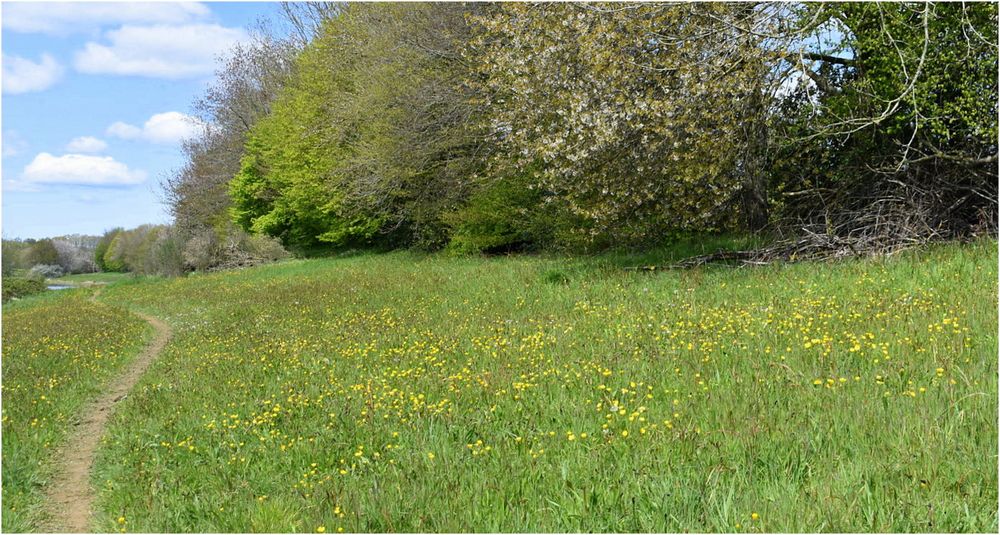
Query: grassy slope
pixel 57 352
pixel 412 393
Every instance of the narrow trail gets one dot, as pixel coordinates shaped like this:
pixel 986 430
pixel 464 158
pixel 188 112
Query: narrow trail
pixel 70 494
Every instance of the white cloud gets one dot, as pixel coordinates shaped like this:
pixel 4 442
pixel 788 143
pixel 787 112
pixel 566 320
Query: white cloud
pixel 124 131
pixel 62 18
pixel 168 128
pixel 86 144
pixel 21 75
pixel 160 51
pixel 80 169
pixel 171 127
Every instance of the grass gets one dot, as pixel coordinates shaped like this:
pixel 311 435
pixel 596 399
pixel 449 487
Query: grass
pixel 403 392
pixel 57 353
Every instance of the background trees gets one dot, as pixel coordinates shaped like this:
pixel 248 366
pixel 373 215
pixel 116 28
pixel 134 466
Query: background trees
pixel 514 126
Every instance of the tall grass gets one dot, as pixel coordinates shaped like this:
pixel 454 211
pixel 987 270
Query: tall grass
pixel 422 393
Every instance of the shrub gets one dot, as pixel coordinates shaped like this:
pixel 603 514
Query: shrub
pixel 17 287
pixel 166 256
pixel 504 216
pixel 46 271
pixel 42 252
pixel 208 251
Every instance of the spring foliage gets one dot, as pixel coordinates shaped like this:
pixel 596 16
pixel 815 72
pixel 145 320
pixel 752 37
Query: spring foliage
pixel 429 124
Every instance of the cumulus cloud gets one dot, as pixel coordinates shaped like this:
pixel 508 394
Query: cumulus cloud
pixel 21 75
pixel 170 127
pixel 66 17
pixel 79 169
pixel 86 144
pixel 124 131
pixel 161 51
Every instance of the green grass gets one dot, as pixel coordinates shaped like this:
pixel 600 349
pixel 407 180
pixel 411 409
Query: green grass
pixel 404 392
pixel 57 353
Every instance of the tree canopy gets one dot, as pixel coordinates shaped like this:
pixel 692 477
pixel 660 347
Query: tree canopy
pixel 498 126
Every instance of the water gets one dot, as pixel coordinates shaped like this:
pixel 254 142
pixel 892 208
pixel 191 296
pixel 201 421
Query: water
pixel 58 287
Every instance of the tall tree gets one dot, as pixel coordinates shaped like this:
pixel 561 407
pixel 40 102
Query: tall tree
pixel 372 137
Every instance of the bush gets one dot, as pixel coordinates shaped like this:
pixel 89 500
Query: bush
pixel 166 256
pixel 200 252
pixel 502 217
pixel 112 259
pixel 46 271
pixel 207 251
pixel 17 287
pixel 265 248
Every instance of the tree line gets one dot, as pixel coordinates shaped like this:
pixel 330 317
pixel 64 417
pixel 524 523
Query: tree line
pixel 515 126
pixel 50 257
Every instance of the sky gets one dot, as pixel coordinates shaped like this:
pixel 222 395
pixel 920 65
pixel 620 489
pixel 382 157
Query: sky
pixel 96 100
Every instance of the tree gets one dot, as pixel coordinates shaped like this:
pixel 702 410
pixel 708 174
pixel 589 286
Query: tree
pixel 889 143
pixel 371 137
pixel 634 110
pixel 101 250
pixel 42 252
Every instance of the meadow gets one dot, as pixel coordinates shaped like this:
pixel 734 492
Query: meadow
pixel 58 351
pixel 410 392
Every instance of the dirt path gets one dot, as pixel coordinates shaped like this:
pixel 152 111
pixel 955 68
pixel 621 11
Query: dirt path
pixel 70 494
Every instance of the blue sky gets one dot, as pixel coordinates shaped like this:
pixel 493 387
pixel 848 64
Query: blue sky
pixel 96 100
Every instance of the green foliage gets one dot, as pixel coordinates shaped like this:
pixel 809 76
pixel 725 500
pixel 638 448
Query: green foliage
pixel 506 215
pixel 101 251
pixel 400 125
pixel 285 187
pixel 956 106
pixel 17 287
pixel 147 250
pixel 896 130
pixel 112 258
pixel 41 252
pixel 369 141
pixel 12 256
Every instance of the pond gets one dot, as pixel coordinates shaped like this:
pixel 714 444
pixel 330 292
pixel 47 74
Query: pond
pixel 59 287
